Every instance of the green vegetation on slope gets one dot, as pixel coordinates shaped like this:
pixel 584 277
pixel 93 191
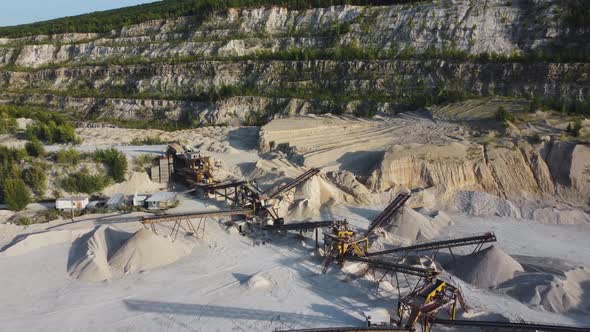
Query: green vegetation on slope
pixel 106 21
pixel 156 140
pixel 34 176
pixel 13 190
pixel 84 182
pixel 35 148
pixel 16 194
pixel 48 126
pixel 115 161
pixel 349 52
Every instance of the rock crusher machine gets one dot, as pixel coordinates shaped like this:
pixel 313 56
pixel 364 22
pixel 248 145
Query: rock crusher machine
pixel 343 242
pixel 189 166
pixel 424 303
pixel 247 194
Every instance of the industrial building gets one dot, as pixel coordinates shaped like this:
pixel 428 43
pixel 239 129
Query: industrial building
pixel 139 200
pixel 71 203
pixel 116 202
pixel 162 200
pixel 185 164
pixel 161 169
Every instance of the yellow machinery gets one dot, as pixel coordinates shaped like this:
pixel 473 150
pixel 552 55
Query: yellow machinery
pixel 427 301
pixel 201 167
pixel 189 166
pixel 343 242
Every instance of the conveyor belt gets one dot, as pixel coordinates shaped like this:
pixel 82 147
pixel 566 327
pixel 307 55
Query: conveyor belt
pixel 221 185
pixel 389 211
pixel 509 325
pixel 405 269
pixel 442 244
pixel 176 217
pixel 300 226
pixel 293 183
pixel 350 329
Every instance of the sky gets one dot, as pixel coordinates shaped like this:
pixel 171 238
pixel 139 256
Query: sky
pixel 13 12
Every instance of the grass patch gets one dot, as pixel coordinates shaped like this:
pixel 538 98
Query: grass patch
pixel 156 140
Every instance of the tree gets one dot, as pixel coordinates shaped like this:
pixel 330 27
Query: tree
pixel 535 104
pixel 67 156
pixel 16 194
pixel 119 168
pixel 8 124
pixel 82 182
pixel 503 115
pixel 35 148
pixel 35 177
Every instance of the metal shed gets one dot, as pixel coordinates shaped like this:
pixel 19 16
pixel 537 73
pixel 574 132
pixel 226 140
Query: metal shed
pixel 162 200
pixel 116 201
pixel 139 200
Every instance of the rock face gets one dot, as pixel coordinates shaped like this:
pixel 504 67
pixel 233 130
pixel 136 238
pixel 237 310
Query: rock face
pixel 181 68
pixel 508 171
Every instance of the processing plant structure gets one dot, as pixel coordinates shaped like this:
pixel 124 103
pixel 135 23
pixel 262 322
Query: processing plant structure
pixel 432 299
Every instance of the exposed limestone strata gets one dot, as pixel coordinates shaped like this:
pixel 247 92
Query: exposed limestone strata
pixel 172 63
pixel 510 171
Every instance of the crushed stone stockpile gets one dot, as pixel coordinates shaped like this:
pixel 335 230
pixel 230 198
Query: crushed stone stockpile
pixel 478 203
pixel 105 252
pixel 554 293
pixel 413 226
pixel 108 253
pixel 129 186
pixel 487 268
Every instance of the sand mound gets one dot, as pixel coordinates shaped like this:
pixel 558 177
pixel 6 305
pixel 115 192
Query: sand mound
pixel 106 253
pixel 409 224
pixel 36 241
pixel 146 250
pixel 129 186
pixel 89 256
pixel 551 292
pixel 260 282
pixel 306 200
pixel 487 268
pixel 482 204
pixel 355 268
